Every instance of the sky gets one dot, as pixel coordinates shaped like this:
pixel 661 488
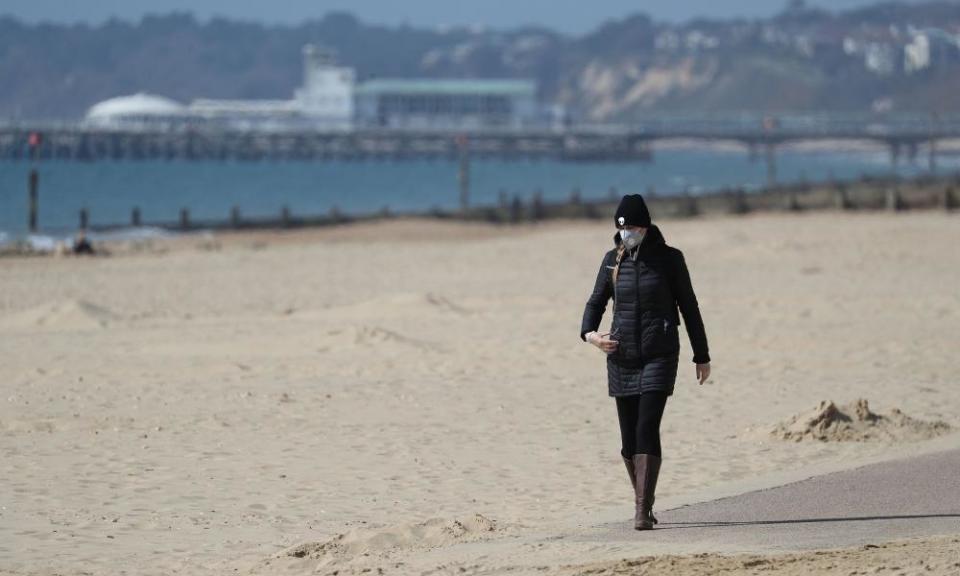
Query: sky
pixel 570 16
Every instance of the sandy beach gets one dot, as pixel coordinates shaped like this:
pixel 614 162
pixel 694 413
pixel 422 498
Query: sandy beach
pixel 413 396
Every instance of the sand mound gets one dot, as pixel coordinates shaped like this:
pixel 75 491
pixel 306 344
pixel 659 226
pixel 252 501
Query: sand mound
pixel 358 551
pixel 62 315
pixel 855 423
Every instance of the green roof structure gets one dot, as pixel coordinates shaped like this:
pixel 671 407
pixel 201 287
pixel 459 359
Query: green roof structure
pixel 415 86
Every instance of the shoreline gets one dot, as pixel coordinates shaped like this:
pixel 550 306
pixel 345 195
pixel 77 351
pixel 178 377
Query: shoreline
pixel 893 194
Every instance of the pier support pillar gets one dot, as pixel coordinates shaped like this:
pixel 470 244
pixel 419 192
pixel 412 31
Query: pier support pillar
pixel 770 153
pixel 463 174
pixel 235 216
pixel 912 152
pixel 135 217
pixel 184 218
pixel 84 218
pixel 895 157
pixel 33 199
pixel 932 157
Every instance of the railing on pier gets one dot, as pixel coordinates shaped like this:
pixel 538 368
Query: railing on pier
pixel 595 142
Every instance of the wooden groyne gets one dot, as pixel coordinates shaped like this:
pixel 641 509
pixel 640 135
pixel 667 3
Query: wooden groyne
pixel 864 194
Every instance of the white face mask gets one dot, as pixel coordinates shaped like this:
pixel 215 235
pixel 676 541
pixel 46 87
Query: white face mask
pixel 631 238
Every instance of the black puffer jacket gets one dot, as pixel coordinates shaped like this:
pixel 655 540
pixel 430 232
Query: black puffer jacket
pixel 651 284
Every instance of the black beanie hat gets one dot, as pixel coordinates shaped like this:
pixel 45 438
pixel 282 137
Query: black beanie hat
pixel 632 211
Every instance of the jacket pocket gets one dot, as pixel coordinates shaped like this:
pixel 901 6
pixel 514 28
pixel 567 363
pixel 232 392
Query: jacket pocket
pixel 660 338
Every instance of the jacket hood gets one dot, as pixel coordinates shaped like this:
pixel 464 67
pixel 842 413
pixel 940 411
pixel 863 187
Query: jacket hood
pixel 652 237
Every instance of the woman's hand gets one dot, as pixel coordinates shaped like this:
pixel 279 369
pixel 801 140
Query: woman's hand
pixel 603 342
pixel 703 372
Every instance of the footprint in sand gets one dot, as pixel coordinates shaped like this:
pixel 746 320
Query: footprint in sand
pixel 360 549
pixel 62 315
pixel 366 335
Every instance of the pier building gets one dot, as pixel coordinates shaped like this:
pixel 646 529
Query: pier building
pixel 331 99
pixel 430 103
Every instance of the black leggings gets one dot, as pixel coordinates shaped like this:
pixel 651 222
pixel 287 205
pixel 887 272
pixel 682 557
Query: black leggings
pixel 640 423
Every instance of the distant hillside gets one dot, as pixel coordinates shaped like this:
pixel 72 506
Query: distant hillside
pixel 899 57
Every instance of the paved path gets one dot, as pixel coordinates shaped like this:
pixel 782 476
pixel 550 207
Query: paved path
pixel 914 497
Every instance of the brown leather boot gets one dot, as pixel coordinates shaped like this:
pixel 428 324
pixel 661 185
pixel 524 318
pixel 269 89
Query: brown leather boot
pixel 652 487
pixel 631 471
pixel 647 467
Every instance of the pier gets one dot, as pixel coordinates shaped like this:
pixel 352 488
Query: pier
pixel 903 136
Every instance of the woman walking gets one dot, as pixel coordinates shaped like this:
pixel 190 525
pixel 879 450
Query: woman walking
pixel 648 281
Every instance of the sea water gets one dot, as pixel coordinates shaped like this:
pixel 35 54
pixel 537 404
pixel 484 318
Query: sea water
pixel 209 189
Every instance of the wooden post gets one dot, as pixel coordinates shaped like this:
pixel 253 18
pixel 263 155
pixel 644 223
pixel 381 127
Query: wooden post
pixel 575 196
pixel 590 210
pixel 503 199
pixel 739 202
pixel 135 217
pixel 335 215
pixel 184 218
pixel 235 216
pixel 688 205
pixel 894 202
pixel 841 200
pixel 792 204
pixel 285 216
pixel 33 192
pixel 516 209
pixel 536 212
pixel 947 201
pixel 84 218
